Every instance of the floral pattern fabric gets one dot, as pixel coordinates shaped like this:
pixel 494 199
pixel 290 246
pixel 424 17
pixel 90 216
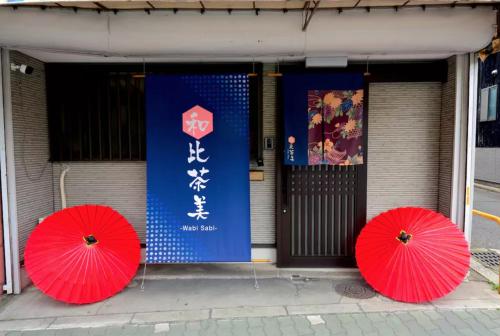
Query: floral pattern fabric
pixel 335 135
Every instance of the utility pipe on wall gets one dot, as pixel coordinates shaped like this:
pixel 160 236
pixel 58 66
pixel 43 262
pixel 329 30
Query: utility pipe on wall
pixel 62 187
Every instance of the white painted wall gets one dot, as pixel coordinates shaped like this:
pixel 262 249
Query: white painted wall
pixel 407 34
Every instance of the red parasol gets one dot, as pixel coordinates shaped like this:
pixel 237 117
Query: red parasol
pixel 412 254
pixel 82 254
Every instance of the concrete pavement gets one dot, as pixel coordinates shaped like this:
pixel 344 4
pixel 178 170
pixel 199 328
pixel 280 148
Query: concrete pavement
pixel 485 233
pixel 428 322
pixel 219 305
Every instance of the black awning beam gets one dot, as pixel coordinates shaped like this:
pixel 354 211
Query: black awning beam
pixel 309 8
pixel 257 10
pixel 309 12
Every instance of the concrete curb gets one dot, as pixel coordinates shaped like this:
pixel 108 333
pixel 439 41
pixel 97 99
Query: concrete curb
pixel 486 187
pixel 484 271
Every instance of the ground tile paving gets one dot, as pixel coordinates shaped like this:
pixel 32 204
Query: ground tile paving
pixel 482 322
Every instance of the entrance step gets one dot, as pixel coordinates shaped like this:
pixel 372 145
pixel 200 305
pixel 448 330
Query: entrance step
pixel 240 271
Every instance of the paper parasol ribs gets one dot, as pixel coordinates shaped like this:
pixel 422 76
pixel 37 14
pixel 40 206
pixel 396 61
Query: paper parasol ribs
pixel 412 254
pixel 82 254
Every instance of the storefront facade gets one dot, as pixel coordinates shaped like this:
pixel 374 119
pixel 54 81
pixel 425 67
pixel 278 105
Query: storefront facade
pixel 419 98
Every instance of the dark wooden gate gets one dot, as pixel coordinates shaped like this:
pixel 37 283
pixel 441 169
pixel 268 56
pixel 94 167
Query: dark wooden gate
pixel 320 209
pixel 323 208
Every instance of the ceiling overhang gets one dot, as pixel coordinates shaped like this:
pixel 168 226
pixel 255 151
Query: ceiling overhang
pixel 243 5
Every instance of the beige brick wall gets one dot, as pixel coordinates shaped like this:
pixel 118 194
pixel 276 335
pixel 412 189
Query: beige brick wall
pixel 403 145
pixel 263 193
pixel 447 130
pixel 31 147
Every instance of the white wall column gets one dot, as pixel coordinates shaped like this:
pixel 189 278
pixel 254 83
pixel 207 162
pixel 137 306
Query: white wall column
pixel 471 143
pixel 8 177
pixel 458 193
pixel 464 142
pixel 8 286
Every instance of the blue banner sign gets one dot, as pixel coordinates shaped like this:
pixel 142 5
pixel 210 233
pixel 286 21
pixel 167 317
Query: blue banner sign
pixel 197 168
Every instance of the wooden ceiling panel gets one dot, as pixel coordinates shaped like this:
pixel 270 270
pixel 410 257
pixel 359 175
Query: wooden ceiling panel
pixel 228 5
pixel 176 4
pixel 434 2
pixel 337 3
pixel 78 4
pixel 381 3
pixel 245 4
pixel 125 4
pixel 291 4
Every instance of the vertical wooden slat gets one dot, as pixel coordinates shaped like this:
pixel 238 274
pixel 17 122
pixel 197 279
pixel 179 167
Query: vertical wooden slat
pixel 142 123
pixel 305 216
pixel 338 216
pixel 140 105
pixel 345 212
pixel 110 139
pixel 292 187
pixel 333 215
pixel 99 113
pixel 129 114
pixel 300 219
pixel 90 108
pixel 290 171
pixel 353 215
pixel 317 203
pixel 80 131
pixel 352 219
pixel 328 213
pixel 324 233
pixel 321 194
pixel 293 224
pixel 119 115
pixel 313 211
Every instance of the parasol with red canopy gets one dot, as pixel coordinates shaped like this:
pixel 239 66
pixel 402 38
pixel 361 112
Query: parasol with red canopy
pixel 82 254
pixel 412 254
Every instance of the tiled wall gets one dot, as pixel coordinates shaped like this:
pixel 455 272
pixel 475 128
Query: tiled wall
pixel 403 145
pixel 447 126
pixel 34 191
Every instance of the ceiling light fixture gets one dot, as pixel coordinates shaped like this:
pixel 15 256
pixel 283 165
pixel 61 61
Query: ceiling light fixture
pixel 276 73
pixel 326 62
pixel 367 72
pixel 253 73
